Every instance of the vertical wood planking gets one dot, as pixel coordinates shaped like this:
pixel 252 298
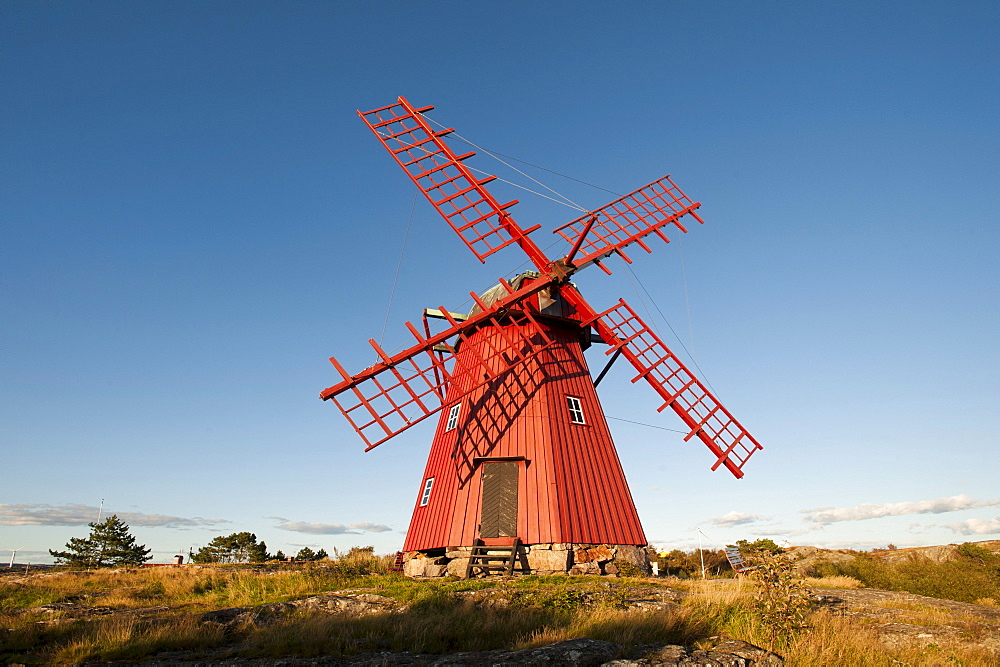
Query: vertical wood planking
pixel 571 487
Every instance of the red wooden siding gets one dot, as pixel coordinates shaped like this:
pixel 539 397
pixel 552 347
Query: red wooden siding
pixel 571 486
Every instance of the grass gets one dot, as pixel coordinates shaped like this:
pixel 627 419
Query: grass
pixel 832 582
pixel 974 575
pixel 153 613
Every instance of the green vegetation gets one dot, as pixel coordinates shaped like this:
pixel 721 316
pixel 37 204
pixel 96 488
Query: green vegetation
pixel 109 545
pixel 305 553
pixel 684 564
pixel 236 548
pixel 973 576
pixel 782 601
pixel 761 546
pixel 156 613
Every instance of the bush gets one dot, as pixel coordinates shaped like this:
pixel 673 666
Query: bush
pixel 688 564
pixel 762 545
pixel 973 576
pixel 782 601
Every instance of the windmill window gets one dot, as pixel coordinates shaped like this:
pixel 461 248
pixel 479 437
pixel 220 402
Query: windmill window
pixel 426 497
pixel 453 417
pixel 575 410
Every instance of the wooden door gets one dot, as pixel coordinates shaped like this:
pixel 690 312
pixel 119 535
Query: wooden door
pixel 499 508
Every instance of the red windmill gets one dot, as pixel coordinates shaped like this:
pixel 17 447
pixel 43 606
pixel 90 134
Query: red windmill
pixel 522 455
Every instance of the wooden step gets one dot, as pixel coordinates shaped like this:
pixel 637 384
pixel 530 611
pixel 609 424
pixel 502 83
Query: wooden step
pixel 481 558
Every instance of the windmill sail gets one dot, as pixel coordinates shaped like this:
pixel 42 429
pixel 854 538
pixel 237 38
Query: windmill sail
pixel 457 194
pixel 707 418
pixel 628 220
pixel 403 390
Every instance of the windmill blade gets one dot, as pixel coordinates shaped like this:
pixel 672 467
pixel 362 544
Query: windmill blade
pixel 628 220
pixel 708 419
pixel 459 196
pixel 403 390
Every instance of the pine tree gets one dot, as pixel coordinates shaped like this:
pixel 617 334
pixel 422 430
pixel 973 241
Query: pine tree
pixel 321 554
pixel 110 543
pixel 236 548
pixel 305 553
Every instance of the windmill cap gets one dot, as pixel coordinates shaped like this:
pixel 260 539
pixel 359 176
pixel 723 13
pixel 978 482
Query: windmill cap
pixel 498 291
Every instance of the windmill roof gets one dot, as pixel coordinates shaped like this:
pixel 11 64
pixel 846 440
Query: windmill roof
pixel 498 291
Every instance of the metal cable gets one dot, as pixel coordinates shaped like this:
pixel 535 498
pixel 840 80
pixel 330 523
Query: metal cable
pixel 703 376
pixel 399 264
pixel 574 206
pixel 673 430
pixel 494 156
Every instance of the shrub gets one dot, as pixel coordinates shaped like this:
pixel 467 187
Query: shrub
pixel 782 601
pixel 965 580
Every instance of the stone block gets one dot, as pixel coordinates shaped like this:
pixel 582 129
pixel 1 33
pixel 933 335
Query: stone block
pixel 548 561
pixel 601 553
pixel 458 552
pixel 591 567
pixel 435 569
pixel 457 567
pixel 414 567
pixel 422 566
pixel 635 555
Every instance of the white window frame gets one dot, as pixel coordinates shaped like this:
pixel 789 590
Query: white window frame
pixel 575 406
pixel 453 417
pixel 426 496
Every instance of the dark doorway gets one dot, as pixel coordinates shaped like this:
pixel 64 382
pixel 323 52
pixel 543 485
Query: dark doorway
pixel 499 509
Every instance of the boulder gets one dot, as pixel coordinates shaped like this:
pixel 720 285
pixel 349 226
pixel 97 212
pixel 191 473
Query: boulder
pixel 414 567
pixel 592 567
pixel 424 566
pixel 436 567
pixel 754 655
pixel 732 653
pixel 548 560
pixel 457 567
pixel 601 553
pixel 635 555
pixel 573 653
pixel 359 604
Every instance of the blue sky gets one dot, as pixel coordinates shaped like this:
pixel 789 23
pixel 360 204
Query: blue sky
pixel 194 219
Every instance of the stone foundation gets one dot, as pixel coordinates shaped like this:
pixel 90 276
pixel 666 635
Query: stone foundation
pixel 603 559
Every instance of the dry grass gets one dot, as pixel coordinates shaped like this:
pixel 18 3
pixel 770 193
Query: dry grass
pixel 839 640
pixel 922 614
pixel 717 591
pixel 832 582
pixel 442 617
pixel 142 588
pixel 129 638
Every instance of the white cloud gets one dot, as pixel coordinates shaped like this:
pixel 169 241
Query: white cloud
pixel 735 518
pixel 81 515
pixel 330 528
pixel 826 515
pixel 976 526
